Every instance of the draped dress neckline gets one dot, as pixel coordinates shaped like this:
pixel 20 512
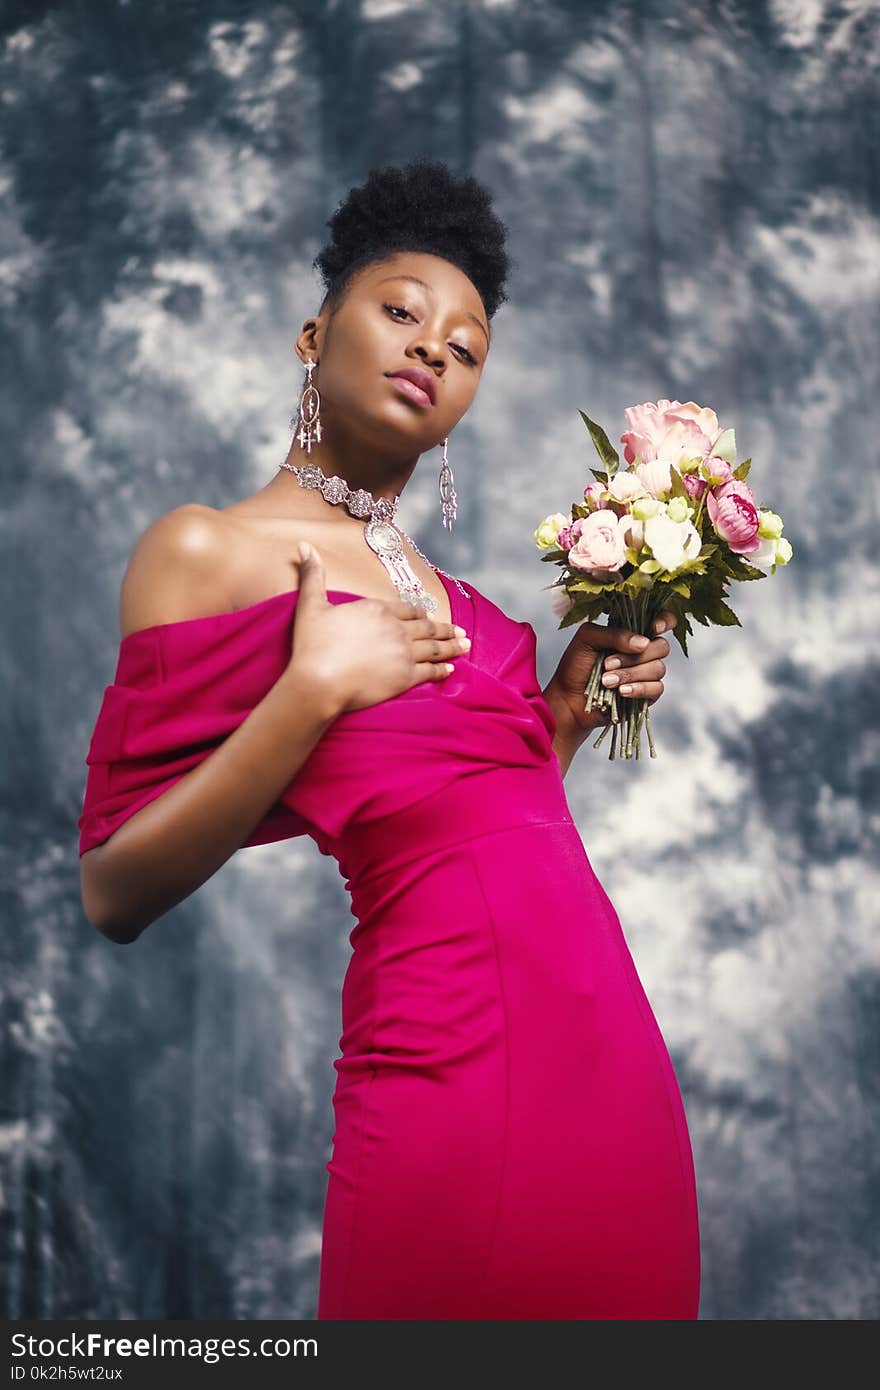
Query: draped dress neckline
pixel 456 606
pixel 181 687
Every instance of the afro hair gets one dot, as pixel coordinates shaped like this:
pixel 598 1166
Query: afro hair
pixel 423 207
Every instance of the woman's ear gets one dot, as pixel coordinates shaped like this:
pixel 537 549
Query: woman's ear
pixel 308 343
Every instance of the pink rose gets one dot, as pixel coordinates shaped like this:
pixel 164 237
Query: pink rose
pixel 632 530
pixel 719 468
pixel 694 486
pixel 699 417
pixel 625 485
pixel 669 429
pixel 569 534
pixel 594 491
pixel 645 429
pixel 734 514
pixel 655 476
pixel 600 544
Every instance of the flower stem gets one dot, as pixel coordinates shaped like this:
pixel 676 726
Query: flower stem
pixel 650 734
pixel 626 721
pixel 605 728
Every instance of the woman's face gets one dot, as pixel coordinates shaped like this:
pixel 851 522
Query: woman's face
pixel 389 322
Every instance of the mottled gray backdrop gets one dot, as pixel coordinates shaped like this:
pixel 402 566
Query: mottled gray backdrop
pixel 692 192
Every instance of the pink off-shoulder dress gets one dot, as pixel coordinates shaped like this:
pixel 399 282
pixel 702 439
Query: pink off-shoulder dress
pixel 510 1139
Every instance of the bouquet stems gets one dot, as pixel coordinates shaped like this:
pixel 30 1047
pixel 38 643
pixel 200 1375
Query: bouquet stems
pixel 626 718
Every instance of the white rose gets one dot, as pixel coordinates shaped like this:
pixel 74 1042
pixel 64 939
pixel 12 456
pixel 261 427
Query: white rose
pixel 625 485
pixel 655 476
pixel 774 550
pixel 672 542
pixel 560 601
pixel 547 534
pixel 765 556
pixel 633 528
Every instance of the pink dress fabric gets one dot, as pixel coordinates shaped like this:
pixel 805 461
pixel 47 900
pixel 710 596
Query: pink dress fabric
pixel 510 1138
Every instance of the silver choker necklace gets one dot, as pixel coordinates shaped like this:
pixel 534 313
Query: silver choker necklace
pixel 381 535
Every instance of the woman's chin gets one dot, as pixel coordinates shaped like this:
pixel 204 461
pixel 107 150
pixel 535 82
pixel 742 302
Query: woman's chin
pixel 405 422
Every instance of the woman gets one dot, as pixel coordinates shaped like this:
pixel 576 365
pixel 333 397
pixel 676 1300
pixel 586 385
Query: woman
pixel 510 1138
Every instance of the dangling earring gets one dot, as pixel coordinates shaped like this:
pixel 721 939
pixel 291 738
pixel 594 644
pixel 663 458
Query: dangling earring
pixel 447 491
pixel 309 406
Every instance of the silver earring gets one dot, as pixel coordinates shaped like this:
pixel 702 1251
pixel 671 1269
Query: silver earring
pixel 310 419
pixel 447 491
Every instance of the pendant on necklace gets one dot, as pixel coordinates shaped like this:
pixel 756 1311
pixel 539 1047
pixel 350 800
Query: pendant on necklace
pixel 382 537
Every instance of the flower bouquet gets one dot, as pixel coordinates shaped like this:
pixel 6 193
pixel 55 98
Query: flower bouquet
pixel 669 531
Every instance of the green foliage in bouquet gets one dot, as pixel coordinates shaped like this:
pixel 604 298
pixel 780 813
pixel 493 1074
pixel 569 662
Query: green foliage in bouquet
pixel 648 506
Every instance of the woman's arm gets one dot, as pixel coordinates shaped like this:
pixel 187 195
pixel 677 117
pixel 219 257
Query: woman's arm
pixel 569 734
pixel 638 659
pixel 173 844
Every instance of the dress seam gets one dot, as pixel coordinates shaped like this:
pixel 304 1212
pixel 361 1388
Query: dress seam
pixel 356 1197
pixel 467 840
pixel 652 1026
pixel 502 1174
pixel 356 1182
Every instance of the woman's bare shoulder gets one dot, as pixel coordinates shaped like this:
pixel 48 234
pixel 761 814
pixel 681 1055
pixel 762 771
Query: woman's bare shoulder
pixel 180 568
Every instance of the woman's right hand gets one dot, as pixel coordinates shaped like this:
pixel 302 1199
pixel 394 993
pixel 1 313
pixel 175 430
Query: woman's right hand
pixel 362 652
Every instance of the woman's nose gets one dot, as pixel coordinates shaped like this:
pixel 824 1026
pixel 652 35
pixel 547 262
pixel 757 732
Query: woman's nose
pixel 431 353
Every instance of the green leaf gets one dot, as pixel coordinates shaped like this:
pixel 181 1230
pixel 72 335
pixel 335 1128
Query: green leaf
pixel 598 473
pixel 743 471
pixel 584 610
pixel 604 448
pixel 751 572
pixel 723 615
pixel 740 568
pixel 678 488
pixel 697 565
pixel 587 586
pixel 725 446
pixel 680 587
pixel 569 619
pixel 634 584
pixel 689 463
pixel 681 632
pixel 649 566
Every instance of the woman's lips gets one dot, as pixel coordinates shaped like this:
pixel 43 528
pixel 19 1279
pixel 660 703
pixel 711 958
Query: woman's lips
pixel 409 388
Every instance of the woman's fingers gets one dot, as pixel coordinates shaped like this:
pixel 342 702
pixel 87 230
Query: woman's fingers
pixel 654 650
pixel 434 640
pixel 664 621
pixel 637 683
pixel 622 638
pixel 638 672
pixel 641 690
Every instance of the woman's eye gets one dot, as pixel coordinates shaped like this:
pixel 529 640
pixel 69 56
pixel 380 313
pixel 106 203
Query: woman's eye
pixel 399 309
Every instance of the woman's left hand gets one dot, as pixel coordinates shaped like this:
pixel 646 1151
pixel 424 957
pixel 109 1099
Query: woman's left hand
pixel 638 665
